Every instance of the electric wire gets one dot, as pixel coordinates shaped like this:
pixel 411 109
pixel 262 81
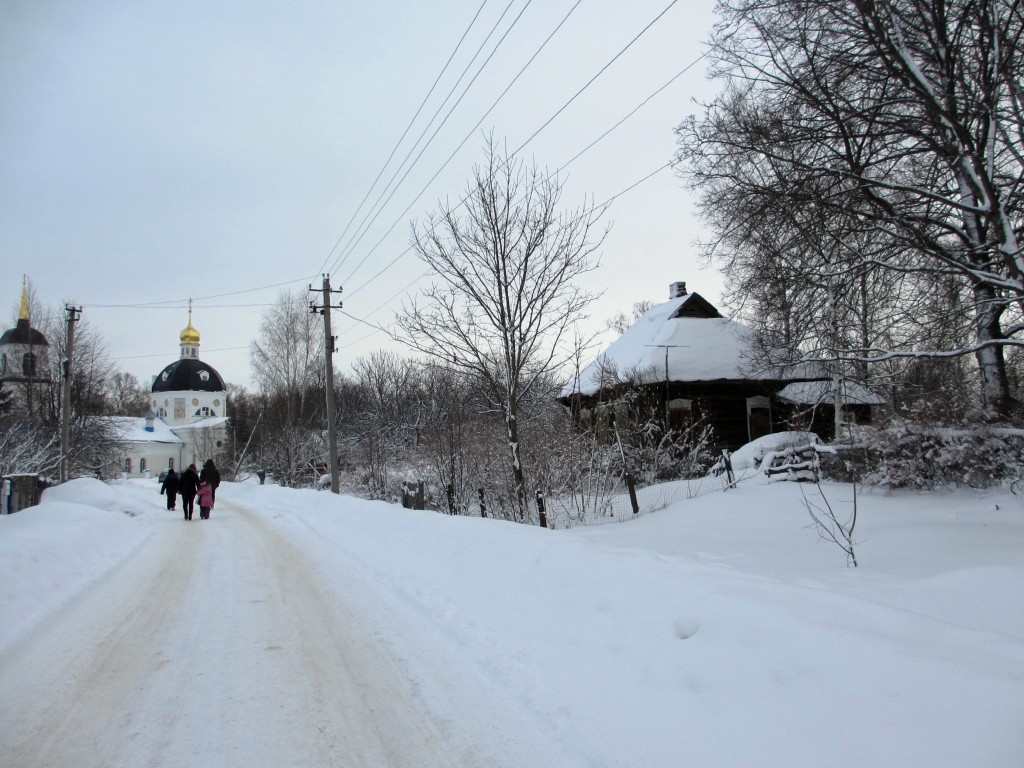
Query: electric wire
pixel 600 72
pixel 404 134
pixel 606 203
pixel 564 165
pixel 350 246
pixel 590 82
pixel 462 143
pixel 182 302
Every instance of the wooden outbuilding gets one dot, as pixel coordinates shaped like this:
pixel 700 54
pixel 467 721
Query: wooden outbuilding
pixel 687 360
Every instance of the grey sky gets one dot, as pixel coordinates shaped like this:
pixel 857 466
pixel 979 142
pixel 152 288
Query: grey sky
pixel 151 152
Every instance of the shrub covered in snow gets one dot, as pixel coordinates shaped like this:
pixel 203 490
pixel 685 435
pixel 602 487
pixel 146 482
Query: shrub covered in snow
pixel 908 454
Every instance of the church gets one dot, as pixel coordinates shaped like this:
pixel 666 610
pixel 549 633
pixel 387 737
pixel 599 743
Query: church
pixel 187 422
pixel 24 366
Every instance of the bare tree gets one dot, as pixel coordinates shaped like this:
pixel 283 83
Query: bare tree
pixel 127 396
pixel 900 127
pixel 508 260
pixel 622 322
pixel 287 362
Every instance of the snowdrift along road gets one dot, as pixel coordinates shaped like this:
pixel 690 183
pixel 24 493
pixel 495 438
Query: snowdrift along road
pixel 219 644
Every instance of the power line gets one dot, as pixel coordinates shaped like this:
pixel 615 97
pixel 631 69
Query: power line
pixel 632 112
pixel 599 73
pixel 459 147
pixel 590 82
pixel 404 134
pixel 181 302
pixel 378 206
pixel 607 202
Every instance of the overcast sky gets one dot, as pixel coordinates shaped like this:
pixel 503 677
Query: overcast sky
pixel 152 152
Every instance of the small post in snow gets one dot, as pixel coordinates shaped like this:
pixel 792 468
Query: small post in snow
pixel 483 507
pixel 727 463
pixel 540 509
pixel 631 487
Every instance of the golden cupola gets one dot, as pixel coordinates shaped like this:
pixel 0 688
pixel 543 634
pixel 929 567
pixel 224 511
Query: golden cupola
pixel 189 337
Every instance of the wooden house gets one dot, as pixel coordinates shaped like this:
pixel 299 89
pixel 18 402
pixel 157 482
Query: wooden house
pixel 686 361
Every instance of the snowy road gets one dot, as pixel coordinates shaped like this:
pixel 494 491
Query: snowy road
pixel 218 644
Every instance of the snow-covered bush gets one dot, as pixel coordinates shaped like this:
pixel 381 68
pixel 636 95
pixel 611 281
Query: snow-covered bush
pixel 908 454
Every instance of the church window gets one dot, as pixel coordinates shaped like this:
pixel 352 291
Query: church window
pixel 142 465
pixel 216 402
pixel 204 375
pixel 164 377
pixel 170 463
pixel 128 466
pixel 205 411
pixel 195 401
pixel 162 413
pixel 28 364
pixel 3 365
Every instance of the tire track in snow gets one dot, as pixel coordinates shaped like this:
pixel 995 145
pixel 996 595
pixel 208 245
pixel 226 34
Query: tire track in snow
pixel 215 645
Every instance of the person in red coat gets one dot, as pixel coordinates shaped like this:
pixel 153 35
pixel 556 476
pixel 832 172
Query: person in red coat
pixel 205 496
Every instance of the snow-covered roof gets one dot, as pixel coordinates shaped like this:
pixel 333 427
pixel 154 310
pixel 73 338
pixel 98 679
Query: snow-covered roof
pixel 208 423
pixel 693 347
pixel 133 430
pixel 819 392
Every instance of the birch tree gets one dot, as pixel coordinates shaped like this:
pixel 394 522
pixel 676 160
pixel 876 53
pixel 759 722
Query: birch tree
pixel 507 260
pixel 900 125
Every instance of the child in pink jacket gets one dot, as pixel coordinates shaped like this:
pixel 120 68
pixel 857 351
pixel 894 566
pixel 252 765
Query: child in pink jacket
pixel 205 497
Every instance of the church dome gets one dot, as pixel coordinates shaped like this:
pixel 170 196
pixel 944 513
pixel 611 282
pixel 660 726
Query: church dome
pixel 190 335
pixel 23 333
pixel 189 375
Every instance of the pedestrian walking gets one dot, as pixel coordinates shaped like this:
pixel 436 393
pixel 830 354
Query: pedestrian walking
pixel 188 485
pixel 210 475
pixel 205 496
pixel 169 487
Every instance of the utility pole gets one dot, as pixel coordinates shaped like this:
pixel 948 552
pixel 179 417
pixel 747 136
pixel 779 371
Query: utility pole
pixel 65 409
pixel 332 439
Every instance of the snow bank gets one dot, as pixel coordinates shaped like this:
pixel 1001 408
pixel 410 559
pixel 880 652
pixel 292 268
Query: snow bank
pixel 52 552
pixel 720 631
pixel 662 641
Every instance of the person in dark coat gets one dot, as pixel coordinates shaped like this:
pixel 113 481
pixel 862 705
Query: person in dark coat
pixel 170 487
pixel 210 475
pixel 188 484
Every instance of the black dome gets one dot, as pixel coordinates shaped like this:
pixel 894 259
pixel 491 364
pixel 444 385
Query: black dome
pixel 190 375
pixel 23 333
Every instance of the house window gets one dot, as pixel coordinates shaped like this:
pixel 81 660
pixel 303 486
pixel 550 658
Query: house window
pixel 142 465
pixel 759 417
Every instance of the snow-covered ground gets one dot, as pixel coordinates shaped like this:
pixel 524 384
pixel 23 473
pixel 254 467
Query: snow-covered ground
pixel 300 628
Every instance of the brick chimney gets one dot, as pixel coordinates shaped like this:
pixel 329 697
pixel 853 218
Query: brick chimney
pixel 676 290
